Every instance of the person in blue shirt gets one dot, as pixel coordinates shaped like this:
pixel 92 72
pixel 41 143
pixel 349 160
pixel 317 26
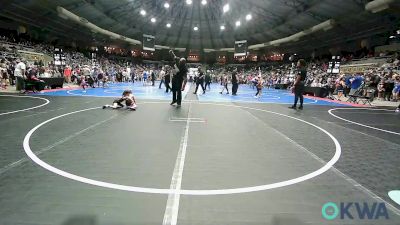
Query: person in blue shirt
pixel 356 83
pixel 144 77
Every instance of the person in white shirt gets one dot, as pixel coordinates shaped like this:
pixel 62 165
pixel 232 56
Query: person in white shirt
pixel 19 74
pixel 125 75
pixel 161 76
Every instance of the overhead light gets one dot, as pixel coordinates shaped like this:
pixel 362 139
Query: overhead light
pixel 204 2
pixel 166 5
pixel 222 27
pixel 189 2
pixel 195 28
pixel 225 8
pixel 237 23
pixel 168 25
pixel 153 20
pixel 142 12
pixel 378 5
pixel 248 17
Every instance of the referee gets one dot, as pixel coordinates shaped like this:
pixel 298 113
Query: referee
pixel 235 82
pixel 200 81
pixel 298 86
pixel 178 80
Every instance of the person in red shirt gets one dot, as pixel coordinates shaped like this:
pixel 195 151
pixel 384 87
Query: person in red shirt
pixel 67 74
pixel 38 85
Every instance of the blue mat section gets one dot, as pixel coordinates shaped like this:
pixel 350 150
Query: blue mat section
pixel 245 94
pixel 115 90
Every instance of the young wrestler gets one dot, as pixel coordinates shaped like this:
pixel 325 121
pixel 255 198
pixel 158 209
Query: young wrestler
pixel 129 99
pixel 84 85
pixel 224 83
pixel 259 86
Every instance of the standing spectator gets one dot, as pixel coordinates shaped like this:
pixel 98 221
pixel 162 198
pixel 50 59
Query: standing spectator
pixel 3 74
pixel 340 84
pixel 144 75
pixel 167 78
pixel 153 77
pixel 356 83
pixel 298 87
pixel 67 74
pixel 133 75
pixel 389 85
pixel 19 74
pixel 162 77
pixel 208 80
pixel 235 82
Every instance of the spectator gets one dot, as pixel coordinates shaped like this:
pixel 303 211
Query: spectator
pixel 356 83
pixel 19 74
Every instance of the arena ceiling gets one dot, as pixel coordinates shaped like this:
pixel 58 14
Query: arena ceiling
pixel 271 20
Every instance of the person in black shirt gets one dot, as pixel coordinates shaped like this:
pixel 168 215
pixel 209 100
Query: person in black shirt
pixel 153 78
pixel 298 86
pixel 179 79
pixel 200 81
pixel 235 84
pixel 208 80
pixel 167 78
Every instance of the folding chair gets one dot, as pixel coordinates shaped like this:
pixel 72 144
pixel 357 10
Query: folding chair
pixel 357 94
pixel 368 98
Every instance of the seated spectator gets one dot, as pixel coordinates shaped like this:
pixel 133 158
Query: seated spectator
pixel 356 83
pixel 396 89
pixel 389 85
pixel 37 84
pixel 381 90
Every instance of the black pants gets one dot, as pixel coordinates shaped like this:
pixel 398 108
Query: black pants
pixel 177 91
pixel 161 82
pixel 20 84
pixel 235 87
pixel 119 101
pixel 167 87
pixel 225 87
pixel 258 91
pixel 208 83
pixel 298 94
pixel 198 83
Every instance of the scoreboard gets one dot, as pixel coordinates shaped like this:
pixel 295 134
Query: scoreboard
pixel 334 65
pixel 59 57
pixel 240 48
pixel 148 42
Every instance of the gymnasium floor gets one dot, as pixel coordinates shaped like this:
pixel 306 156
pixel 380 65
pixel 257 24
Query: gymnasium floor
pixel 216 160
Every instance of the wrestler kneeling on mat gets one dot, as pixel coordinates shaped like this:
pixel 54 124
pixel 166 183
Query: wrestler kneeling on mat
pixel 129 100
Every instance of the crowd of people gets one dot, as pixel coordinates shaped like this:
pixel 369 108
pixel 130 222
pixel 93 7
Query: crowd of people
pixel 382 81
